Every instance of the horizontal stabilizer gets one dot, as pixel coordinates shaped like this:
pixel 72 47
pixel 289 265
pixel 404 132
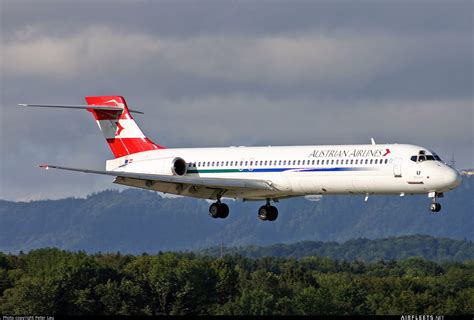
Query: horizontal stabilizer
pixel 94 107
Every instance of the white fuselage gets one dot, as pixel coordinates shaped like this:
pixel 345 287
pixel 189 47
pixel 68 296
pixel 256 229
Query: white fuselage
pixel 298 170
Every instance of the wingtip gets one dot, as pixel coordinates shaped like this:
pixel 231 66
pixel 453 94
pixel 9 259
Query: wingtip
pixel 22 104
pixel 44 166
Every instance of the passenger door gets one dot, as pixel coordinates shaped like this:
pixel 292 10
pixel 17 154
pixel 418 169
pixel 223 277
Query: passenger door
pixel 397 167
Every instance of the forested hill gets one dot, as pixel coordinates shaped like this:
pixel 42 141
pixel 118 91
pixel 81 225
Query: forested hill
pixel 399 248
pixel 136 221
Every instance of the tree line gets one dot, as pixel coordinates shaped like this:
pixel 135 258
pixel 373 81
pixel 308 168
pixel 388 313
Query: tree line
pixel 394 248
pixel 51 281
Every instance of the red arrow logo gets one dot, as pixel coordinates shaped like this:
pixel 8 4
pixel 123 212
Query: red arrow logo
pixel 387 152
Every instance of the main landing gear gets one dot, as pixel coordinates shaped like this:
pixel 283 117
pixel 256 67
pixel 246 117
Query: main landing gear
pixel 268 212
pixel 435 206
pixel 219 210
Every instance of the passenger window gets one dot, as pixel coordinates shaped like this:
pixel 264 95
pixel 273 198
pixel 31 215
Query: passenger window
pixel 332 161
pixel 208 163
pixel 227 163
pixel 371 161
pixel 217 163
pixel 241 163
pixel 246 162
pixel 312 162
pixel 357 161
pixel 386 161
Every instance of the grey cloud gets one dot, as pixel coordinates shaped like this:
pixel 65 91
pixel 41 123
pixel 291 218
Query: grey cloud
pixel 191 18
pixel 307 63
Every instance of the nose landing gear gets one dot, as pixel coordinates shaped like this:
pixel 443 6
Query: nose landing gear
pixel 435 206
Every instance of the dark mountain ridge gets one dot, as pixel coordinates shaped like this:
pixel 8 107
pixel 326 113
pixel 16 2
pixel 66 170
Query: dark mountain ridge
pixel 136 221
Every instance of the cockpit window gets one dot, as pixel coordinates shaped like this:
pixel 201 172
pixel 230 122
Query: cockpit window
pixel 425 157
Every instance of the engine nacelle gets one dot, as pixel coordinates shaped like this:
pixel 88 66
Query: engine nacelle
pixel 172 166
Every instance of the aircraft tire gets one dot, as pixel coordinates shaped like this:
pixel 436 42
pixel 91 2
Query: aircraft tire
pixel 214 210
pixel 273 214
pixel 435 207
pixel 263 213
pixel 223 210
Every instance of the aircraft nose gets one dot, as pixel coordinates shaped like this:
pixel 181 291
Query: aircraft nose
pixel 452 178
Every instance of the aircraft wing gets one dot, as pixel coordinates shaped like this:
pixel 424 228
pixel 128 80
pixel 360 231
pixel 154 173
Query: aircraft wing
pixel 212 183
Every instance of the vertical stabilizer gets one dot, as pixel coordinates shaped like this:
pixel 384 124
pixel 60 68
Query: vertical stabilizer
pixel 120 130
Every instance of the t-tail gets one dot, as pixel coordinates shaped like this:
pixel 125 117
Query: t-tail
pixel 113 117
pixel 120 130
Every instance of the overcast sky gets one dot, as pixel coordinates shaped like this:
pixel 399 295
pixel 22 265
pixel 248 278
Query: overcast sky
pixel 219 73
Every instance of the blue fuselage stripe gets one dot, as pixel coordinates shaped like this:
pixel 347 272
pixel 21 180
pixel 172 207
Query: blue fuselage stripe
pixel 216 170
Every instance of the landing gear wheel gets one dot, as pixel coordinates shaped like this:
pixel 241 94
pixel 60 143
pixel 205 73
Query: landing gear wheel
pixel 263 213
pixel 273 214
pixel 214 210
pixel 435 207
pixel 268 213
pixel 219 210
pixel 224 211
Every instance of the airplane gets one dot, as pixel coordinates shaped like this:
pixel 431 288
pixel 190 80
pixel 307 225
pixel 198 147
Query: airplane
pixel 261 173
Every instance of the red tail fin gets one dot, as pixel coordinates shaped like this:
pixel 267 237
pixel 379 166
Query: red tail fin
pixel 120 130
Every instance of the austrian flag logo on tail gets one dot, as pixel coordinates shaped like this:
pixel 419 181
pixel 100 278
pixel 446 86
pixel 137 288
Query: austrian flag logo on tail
pixel 386 152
